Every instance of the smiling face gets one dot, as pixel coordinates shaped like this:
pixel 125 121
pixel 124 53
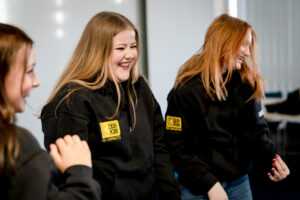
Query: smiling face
pixel 19 84
pixel 244 50
pixel 124 55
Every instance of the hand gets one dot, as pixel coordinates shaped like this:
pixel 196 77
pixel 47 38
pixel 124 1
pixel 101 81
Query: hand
pixel 217 192
pixel 280 169
pixel 70 151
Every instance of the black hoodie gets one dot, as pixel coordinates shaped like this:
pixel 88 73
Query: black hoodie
pixel 36 176
pixel 128 162
pixel 212 141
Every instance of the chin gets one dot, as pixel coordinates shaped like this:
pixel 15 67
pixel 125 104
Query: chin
pixel 238 66
pixel 20 110
pixel 122 79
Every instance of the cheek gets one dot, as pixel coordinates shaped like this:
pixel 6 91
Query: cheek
pixel 116 58
pixel 26 85
pixel 135 54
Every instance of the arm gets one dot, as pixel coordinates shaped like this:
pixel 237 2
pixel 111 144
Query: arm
pixel 217 192
pixel 37 178
pixel 73 158
pixel 168 187
pixel 265 148
pixel 183 138
pixel 70 117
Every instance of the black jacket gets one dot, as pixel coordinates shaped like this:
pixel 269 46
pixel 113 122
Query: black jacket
pixel 127 164
pixel 36 177
pixel 214 141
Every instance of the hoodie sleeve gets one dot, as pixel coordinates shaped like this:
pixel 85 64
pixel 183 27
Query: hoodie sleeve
pixel 257 132
pixel 183 122
pixel 37 177
pixel 71 116
pixel 168 187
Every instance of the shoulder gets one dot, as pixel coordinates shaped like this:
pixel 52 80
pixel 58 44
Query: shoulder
pixel 68 101
pixel 242 88
pixel 190 88
pixel 29 147
pixel 74 93
pixel 142 83
pixel 142 87
pixel 26 139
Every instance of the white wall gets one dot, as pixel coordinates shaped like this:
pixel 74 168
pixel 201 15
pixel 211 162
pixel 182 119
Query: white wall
pixel 276 23
pixel 175 31
pixel 37 18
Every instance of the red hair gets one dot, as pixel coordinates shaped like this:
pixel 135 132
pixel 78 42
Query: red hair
pixel 222 41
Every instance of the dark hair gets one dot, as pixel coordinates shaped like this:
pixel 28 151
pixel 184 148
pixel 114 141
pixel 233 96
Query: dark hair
pixel 11 40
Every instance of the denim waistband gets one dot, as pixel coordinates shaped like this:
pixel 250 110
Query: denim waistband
pixel 235 181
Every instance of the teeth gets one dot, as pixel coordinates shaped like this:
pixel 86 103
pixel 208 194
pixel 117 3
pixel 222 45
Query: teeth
pixel 124 64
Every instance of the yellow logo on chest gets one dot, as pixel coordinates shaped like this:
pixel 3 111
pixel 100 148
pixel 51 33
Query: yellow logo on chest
pixel 110 130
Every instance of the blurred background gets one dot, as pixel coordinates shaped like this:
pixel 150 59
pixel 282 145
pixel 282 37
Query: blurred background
pixel 171 32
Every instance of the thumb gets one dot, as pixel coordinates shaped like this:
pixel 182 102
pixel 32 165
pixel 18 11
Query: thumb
pixel 55 156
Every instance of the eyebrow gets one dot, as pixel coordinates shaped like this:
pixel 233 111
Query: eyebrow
pixel 32 65
pixel 126 43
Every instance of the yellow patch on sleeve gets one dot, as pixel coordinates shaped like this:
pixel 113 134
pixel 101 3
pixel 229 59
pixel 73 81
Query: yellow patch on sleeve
pixel 110 130
pixel 173 123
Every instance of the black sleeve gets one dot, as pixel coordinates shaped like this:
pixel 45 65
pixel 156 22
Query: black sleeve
pixel 256 132
pixel 168 187
pixel 183 122
pixel 37 177
pixel 78 184
pixel 70 117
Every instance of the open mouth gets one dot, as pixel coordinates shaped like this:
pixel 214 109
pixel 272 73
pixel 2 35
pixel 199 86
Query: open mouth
pixel 125 66
pixel 240 59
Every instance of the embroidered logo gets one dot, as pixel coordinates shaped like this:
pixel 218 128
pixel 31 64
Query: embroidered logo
pixel 173 123
pixel 260 113
pixel 110 130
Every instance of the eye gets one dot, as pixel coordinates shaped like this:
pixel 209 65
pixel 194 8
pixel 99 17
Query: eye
pixel 119 48
pixel 29 71
pixel 133 46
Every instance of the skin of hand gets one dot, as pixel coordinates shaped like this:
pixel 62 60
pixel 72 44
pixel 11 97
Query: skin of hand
pixel 280 169
pixel 217 192
pixel 70 151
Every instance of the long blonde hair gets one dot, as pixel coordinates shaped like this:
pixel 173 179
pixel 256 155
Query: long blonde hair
pixel 12 39
pixel 222 41
pixel 89 66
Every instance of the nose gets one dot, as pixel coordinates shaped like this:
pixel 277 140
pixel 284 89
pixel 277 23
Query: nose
pixel 128 53
pixel 36 81
pixel 247 52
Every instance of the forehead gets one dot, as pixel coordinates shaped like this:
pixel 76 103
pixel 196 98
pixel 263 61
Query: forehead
pixel 24 53
pixel 19 56
pixel 248 36
pixel 125 36
pixel 31 57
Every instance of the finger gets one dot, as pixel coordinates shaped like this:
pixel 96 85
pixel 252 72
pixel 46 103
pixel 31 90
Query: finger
pixel 76 139
pixel 68 140
pixel 277 165
pixel 284 167
pixel 60 143
pixel 55 154
pixel 277 176
pixel 84 144
pixel 272 177
pixel 280 161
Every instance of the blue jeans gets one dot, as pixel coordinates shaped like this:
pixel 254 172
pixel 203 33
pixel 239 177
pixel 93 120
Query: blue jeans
pixel 238 189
